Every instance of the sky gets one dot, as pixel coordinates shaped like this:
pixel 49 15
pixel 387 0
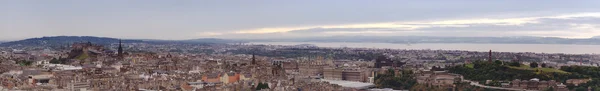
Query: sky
pixel 260 19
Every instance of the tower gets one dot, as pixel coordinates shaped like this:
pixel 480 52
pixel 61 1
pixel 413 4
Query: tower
pixel 120 49
pixel 490 56
pixel 253 59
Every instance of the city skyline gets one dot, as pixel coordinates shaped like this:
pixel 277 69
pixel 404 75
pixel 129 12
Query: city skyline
pixel 304 45
pixel 274 19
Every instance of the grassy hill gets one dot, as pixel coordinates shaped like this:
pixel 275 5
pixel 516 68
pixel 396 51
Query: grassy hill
pixel 498 71
pixel 66 40
pixel 82 56
pixel 481 71
pixel 525 67
pixel 57 41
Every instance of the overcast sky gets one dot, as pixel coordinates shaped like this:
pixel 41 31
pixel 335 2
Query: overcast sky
pixel 234 19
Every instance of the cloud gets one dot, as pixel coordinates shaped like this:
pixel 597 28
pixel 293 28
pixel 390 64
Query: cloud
pixel 161 19
pixel 580 25
pixel 208 34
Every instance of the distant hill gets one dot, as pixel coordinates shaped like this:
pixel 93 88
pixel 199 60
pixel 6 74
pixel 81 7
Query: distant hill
pixel 212 40
pixel 596 37
pixel 430 39
pixel 68 40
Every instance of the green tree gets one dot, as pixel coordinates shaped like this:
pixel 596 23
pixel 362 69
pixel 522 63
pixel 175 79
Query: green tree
pixel 516 64
pixel 261 86
pixel 580 89
pixel 478 64
pixel 55 61
pixel 544 65
pixel 60 60
pixel 436 68
pixel 391 72
pixel 402 80
pixel 498 62
pixel 533 65
pixel 24 63
pixel 550 89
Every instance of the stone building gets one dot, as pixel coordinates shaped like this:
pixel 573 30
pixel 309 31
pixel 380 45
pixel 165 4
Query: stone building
pixel 311 69
pixel 332 74
pixel 212 78
pixel 230 78
pixel 290 66
pixel 246 76
pixel 438 78
pixel 576 82
pixel 534 84
pixel 78 86
pixel 357 75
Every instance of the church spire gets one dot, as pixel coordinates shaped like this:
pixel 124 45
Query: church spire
pixel 120 50
pixel 253 59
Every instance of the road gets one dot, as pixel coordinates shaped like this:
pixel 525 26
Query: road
pixel 492 87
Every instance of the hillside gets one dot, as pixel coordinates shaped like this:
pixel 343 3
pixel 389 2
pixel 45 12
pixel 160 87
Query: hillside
pixel 481 71
pixel 66 40
pixel 526 67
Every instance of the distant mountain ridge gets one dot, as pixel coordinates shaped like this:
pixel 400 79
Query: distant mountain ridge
pixel 430 39
pixel 213 40
pixel 67 40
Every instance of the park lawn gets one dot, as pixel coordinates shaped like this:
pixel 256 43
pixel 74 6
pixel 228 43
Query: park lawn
pixel 470 65
pixel 525 67
pixel 83 56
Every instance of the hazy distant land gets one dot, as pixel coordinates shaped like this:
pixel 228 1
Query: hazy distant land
pixel 537 48
pixel 502 44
